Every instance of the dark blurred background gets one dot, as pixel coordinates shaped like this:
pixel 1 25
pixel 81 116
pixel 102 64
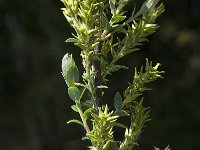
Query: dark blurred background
pixel 34 105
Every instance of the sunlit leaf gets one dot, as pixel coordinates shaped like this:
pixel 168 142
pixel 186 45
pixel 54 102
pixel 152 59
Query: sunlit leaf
pixel 67 61
pixel 75 108
pixel 71 40
pixel 117 19
pixel 87 113
pixel 147 6
pixel 75 121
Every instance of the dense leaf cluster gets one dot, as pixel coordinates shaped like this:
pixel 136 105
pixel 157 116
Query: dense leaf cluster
pixel 97 24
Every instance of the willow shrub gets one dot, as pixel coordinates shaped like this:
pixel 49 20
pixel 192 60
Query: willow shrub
pixel 97 25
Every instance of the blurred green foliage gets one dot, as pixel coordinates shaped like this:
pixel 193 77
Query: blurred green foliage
pixel 33 110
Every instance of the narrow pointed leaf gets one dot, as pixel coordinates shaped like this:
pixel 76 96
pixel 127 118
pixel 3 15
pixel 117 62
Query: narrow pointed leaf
pixel 87 113
pixel 122 113
pixel 117 124
pixel 75 121
pixel 147 6
pixel 112 6
pixel 117 19
pixel 71 40
pixel 102 87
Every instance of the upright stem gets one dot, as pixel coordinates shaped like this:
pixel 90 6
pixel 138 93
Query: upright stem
pixel 97 70
pixel 97 79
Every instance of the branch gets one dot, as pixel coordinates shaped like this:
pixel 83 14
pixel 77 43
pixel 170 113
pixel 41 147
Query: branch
pixel 85 125
pixel 97 69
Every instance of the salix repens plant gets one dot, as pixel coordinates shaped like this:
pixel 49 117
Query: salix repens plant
pixel 97 24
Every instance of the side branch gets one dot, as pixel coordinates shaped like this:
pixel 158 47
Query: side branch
pixel 85 125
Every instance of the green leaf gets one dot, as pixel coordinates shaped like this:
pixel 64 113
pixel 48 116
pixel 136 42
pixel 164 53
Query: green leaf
pixel 113 68
pixel 117 101
pixel 75 108
pixel 116 28
pixel 71 40
pixel 105 23
pixel 147 6
pixel 121 113
pixel 112 6
pixel 128 51
pixel 80 84
pixel 72 75
pixel 75 121
pixel 107 144
pixel 102 87
pixel 116 19
pixel 84 138
pixel 95 117
pixel 67 61
pixel 167 148
pixel 87 113
pixel 117 124
pixel 74 93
